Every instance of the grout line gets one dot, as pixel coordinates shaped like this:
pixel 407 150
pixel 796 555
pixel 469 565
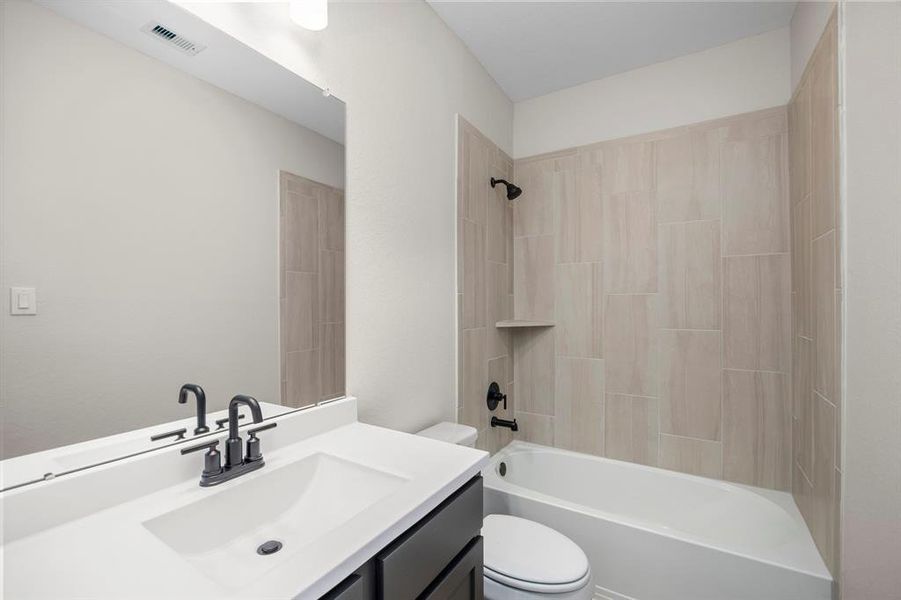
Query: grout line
pixel 787 253
pixel 755 371
pixel 631 293
pixel 822 235
pixel 664 223
pixel 688 437
pixel 688 329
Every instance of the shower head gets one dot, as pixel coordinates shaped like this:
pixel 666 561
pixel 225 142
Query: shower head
pixel 513 191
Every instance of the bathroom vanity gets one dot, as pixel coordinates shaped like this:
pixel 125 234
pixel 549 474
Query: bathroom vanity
pixel 439 557
pixel 355 511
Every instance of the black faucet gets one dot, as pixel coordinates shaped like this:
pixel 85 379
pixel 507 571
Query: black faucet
pixel 214 472
pixel 233 446
pixel 201 405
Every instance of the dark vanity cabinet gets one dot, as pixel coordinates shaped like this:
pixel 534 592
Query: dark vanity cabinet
pixel 439 558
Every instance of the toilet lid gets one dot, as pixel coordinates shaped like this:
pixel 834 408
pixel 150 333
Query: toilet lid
pixel 530 556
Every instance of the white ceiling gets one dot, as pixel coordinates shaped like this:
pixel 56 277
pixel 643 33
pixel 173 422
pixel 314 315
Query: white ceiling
pixel 533 48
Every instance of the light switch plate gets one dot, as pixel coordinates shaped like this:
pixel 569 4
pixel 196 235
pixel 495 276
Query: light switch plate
pixel 23 301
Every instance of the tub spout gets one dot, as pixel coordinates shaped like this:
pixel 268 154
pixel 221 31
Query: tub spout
pixel 495 422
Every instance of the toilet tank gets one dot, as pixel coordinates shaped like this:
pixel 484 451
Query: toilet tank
pixel 453 433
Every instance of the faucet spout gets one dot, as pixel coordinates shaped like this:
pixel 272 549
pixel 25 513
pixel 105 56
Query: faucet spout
pixel 255 412
pixel 201 405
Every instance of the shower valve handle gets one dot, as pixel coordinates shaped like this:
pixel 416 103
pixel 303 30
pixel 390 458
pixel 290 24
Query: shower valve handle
pixel 495 396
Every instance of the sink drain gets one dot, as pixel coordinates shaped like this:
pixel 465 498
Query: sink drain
pixel 503 469
pixel 270 547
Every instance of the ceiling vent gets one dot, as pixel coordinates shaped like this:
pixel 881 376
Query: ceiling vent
pixel 167 36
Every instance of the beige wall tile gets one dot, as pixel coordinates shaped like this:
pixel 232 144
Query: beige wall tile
pixel 301 232
pixel 823 102
pixel 509 215
pixel 303 385
pixel 690 279
pixel 630 243
pixel 579 215
pixel 631 428
pixel 499 370
pixel 756 428
pixel 801 268
pixel 824 501
pixel 799 143
pixel 756 312
pixel 688 455
pixel 332 359
pixel 823 301
pixel 579 405
pixel 802 492
pixel 331 219
pixel 579 299
pixel 755 196
pixel 331 286
pixel 534 370
pixel 499 308
pixel 537 429
pixel 496 232
pixel 475 382
pixel 533 278
pixel 473 275
pixel 479 180
pixel 533 211
pixel 302 315
pixel 690 383
pixel 802 401
pixel 688 175
pixel 630 344
pixel 627 167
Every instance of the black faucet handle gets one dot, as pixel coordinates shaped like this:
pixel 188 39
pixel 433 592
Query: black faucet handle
pixel 495 397
pixel 256 430
pixel 212 460
pixel 208 446
pixel 220 423
pixel 178 434
pixel 253 443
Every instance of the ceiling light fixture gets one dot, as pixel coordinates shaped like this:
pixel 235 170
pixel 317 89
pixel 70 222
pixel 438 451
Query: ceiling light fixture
pixel 309 14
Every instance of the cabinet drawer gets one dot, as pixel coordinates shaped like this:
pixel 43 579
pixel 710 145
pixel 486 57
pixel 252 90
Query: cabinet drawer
pixel 462 579
pixel 413 561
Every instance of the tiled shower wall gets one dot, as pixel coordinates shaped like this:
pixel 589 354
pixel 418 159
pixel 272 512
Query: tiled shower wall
pixel 817 297
pixel 484 282
pixel 664 261
pixel 311 269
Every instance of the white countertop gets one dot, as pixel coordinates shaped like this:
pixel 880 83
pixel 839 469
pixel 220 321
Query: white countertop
pixel 77 551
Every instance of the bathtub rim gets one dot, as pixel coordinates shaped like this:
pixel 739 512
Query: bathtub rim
pixel 491 480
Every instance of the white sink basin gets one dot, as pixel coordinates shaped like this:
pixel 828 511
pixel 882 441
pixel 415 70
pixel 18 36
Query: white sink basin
pixel 295 504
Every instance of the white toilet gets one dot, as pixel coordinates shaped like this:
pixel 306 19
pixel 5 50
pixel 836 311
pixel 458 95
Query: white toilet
pixel 524 560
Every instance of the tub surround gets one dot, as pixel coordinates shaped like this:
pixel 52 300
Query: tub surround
pixel 663 262
pixel 484 283
pixel 52 549
pixel 817 295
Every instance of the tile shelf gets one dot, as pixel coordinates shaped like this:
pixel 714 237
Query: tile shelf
pixel 521 323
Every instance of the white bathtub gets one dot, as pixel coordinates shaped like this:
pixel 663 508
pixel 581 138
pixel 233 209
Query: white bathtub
pixel 655 534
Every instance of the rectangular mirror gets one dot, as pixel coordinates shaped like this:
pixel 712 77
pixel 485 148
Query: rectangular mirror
pixel 172 213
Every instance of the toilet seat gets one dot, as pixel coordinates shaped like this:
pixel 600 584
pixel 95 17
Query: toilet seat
pixel 538 588
pixel 529 556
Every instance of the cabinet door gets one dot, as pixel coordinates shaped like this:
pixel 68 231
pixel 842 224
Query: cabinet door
pixel 409 564
pixel 462 579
